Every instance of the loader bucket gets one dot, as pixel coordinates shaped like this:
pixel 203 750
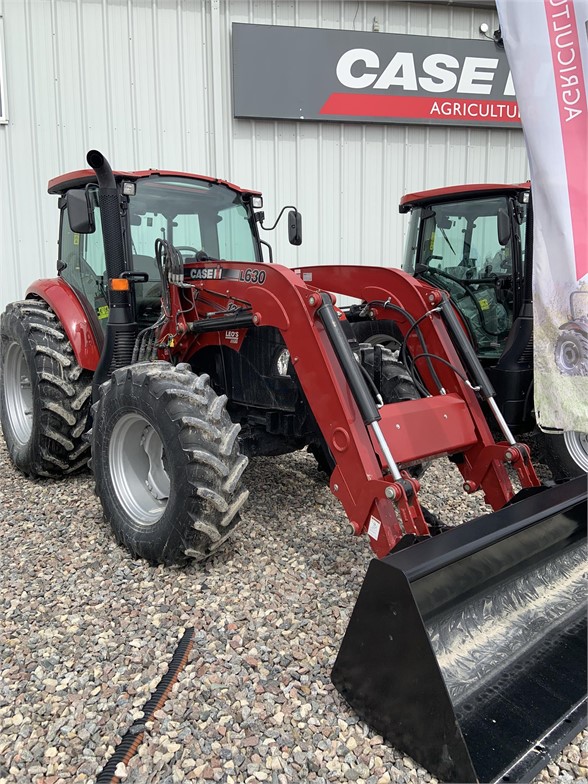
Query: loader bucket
pixel 468 651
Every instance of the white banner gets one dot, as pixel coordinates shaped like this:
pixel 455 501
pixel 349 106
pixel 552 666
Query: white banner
pixel 546 43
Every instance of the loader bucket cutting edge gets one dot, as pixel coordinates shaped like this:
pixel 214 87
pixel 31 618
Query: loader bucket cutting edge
pixel 468 651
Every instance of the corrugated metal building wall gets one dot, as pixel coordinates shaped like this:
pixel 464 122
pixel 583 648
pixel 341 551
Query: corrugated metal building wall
pixel 148 82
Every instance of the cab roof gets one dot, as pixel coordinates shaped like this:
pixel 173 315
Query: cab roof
pixel 81 178
pixel 411 200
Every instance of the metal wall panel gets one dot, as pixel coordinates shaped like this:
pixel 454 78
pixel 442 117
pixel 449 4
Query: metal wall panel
pixel 149 83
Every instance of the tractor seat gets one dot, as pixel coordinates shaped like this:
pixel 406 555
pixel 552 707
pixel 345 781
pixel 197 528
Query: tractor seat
pixel 461 272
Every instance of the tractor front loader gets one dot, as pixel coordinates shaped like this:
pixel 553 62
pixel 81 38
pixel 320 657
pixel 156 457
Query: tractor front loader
pixel 170 348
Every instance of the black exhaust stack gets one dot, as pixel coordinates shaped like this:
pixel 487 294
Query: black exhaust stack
pixel 121 329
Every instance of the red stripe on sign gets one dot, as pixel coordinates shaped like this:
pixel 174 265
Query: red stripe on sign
pixel 407 107
pixel 571 98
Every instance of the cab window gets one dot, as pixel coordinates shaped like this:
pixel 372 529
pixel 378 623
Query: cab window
pixel 461 239
pixel 466 247
pixel 85 266
pixel 235 240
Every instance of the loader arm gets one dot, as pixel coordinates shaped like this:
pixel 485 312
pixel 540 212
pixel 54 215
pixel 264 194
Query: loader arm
pixel 393 294
pixel 375 497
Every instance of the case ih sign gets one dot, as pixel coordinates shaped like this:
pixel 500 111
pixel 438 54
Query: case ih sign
pixel 317 74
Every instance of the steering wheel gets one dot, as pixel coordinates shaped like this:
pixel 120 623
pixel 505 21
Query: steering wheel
pixel 466 286
pixel 186 248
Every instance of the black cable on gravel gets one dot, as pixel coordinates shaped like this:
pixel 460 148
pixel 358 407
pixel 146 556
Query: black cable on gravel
pixel 130 743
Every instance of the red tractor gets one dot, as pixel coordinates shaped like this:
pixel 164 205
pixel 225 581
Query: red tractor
pixel 571 348
pixel 171 353
pixel 476 242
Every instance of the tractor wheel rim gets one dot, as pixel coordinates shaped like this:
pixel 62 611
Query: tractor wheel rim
pixel 569 355
pixel 137 466
pixel 18 394
pixel 577 445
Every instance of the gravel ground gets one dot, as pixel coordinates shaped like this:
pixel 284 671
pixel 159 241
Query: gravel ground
pixel 87 632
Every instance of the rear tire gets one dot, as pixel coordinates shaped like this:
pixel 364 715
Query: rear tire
pixel 45 394
pixel 167 462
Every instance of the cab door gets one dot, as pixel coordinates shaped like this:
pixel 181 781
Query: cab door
pixel 82 264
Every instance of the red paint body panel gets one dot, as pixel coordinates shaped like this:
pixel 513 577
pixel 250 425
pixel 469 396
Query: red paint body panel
pixel 420 197
pixel 417 429
pixel 78 179
pixel 64 302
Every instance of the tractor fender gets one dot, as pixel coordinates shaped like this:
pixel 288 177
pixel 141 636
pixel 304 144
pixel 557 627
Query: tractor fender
pixel 68 308
pixel 575 326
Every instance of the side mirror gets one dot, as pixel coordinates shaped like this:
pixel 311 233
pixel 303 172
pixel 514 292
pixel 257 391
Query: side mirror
pixel 80 212
pixel 443 221
pixel 295 227
pixel 503 224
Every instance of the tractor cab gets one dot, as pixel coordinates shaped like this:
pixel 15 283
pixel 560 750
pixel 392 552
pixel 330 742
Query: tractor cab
pixel 471 242
pixel 202 218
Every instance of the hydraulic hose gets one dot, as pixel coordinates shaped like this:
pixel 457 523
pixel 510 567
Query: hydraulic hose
pixel 133 738
pixel 359 389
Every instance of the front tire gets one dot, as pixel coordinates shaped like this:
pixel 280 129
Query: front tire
pixel 167 462
pixel 384 333
pixel 392 379
pixel 565 454
pixel 45 394
pixel 393 382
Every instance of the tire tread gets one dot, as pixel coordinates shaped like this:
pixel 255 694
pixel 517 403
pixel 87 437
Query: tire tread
pixel 204 508
pixel 61 388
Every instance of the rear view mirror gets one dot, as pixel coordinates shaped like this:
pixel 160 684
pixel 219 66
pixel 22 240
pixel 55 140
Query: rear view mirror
pixel 295 227
pixel 503 224
pixel 80 212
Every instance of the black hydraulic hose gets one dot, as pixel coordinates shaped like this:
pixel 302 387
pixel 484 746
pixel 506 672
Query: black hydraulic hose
pixel 468 355
pixel 414 324
pixel 359 389
pixel 128 746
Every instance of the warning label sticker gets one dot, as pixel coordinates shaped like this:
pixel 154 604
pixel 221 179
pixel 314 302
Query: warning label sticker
pixel 374 527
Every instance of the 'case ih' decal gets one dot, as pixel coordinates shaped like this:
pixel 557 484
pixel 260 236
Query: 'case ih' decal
pixel 206 273
pixel 247 275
